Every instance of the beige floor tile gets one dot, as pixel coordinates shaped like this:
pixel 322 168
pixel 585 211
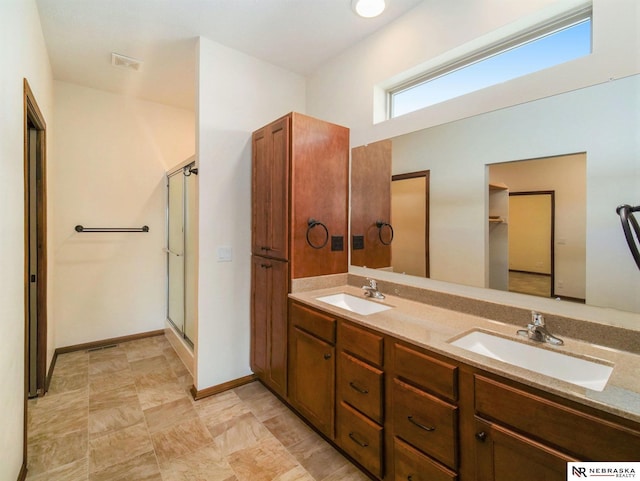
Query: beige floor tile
pixel 288 428
pixel 166 415
pixel 149 365
pixel 153 378
pixel 58 414
pixel 72 363
pixel 220 408
pixel 239 433
pixel 180 440
pixel 51 452
pixel 68 382
pixel 348 472
pixel 116 363
pixel 202 465
pixel 118 447
pixel 265 406
pixel 75 471
pixel 296 474
pixel 110 380
pixel 251 390
pixel 153 396
pixel 318 457
pixel 140 468
pixel 263 462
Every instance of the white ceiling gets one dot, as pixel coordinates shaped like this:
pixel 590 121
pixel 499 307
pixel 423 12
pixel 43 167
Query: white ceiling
pixel 298 35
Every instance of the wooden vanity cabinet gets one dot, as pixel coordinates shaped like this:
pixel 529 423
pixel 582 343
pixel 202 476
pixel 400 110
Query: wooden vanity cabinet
pixel 312 366
pixel 519 430
pixel 360 396
pixel 424 412
pixel 404 413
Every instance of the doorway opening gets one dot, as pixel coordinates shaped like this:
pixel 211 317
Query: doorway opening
pixel 531 243
pixel 410 216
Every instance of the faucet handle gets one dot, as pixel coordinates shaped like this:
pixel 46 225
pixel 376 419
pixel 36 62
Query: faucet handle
pixel 537 319
pixel 373 284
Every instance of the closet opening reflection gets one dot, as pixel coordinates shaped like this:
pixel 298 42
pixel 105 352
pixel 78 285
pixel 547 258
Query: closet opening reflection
pixel 181 252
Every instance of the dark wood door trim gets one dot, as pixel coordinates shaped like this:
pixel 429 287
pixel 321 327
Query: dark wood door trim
pixel 34 120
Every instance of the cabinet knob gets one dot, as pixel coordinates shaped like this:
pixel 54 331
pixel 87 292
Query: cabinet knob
pixel 327 356
pixel 481 436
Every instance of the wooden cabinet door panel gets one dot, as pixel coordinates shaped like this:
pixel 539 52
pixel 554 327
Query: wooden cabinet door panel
pixel 312 379
pixel 278 228
pixel 364 344
pixel 502 455
pixel 269 322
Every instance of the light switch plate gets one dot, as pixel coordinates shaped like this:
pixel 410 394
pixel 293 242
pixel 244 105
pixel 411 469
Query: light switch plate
pixel 225 254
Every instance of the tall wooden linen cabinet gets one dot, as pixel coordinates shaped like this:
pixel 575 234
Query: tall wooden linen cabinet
pixel 300 194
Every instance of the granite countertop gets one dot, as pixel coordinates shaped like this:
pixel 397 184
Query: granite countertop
pixel 433 327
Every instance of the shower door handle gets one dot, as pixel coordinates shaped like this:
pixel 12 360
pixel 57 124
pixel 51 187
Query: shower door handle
pixel 173 253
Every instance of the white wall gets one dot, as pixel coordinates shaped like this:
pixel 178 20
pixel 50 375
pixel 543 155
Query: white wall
pixel 22 54
pixel 110 154
pixel 237 94
pixel 342 90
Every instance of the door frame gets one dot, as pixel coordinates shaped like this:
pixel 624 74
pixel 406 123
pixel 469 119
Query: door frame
pixel 34 120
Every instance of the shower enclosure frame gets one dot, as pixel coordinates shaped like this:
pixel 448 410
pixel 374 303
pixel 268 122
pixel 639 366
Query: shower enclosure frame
pixel 184 170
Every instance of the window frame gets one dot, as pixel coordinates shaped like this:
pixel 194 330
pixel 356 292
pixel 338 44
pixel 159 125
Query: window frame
pixel 541 30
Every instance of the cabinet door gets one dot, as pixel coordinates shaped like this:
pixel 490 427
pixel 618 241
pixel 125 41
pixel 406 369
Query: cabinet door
pixel 270 192
pixel 502 455
pixel 269 322
pixel 312 379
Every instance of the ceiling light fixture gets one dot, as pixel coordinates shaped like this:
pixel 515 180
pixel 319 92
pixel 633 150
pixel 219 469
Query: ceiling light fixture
pixel 368 8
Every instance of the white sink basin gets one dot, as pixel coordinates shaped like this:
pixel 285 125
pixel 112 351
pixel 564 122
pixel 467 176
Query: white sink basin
pixel 582 372
pixel 353 304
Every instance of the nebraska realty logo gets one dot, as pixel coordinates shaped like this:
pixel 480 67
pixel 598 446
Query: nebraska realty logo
pixel 603 470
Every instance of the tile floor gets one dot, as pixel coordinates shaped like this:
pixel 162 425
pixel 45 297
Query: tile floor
pixel 124 413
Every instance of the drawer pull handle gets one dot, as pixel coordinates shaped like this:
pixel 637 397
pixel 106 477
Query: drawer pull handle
pixel 266 266
pixel 358 389
pixel 355 440
pixel 265 248
pixel 410 477
pixel 481 436
pixel 327 356
pixel 420 425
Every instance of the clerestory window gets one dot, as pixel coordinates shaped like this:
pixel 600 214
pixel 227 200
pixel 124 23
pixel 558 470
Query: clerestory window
pixel 544 46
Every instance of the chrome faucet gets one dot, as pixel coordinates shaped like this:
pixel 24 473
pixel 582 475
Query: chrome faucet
pixel 372 290
pixel 537 331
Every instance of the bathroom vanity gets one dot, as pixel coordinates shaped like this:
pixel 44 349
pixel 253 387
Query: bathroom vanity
pixel 393 392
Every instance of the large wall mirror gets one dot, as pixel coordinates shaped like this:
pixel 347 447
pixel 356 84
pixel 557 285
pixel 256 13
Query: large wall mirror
pixel 516 196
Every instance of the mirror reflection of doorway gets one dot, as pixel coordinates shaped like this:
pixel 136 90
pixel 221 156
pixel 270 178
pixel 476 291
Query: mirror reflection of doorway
pixel 531 241
pixel 410 219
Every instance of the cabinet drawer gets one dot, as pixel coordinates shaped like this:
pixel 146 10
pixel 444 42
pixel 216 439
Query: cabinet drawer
pixel 581 434
pixel 360 385
pixel 361 343
pixel 425 422
pixel 318 324
pixel 426 372
pixel 409 463
pixel 361 438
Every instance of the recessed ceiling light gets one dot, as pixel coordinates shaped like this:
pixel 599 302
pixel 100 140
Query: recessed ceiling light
pixel 123 61
pixel 368 8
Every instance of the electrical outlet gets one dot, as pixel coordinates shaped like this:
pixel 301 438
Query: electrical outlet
pixel 358 242
pixel 337 243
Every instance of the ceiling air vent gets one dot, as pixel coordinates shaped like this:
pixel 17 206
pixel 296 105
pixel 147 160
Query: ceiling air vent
pixel 123 61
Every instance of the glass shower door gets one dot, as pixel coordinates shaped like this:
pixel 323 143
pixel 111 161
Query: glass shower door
pixel 175 251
